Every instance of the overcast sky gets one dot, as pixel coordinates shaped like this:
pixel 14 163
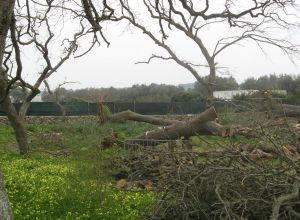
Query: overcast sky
pixel 115 65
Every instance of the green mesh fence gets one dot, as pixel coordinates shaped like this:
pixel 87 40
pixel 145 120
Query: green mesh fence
pixel 83 108
pixel 158 108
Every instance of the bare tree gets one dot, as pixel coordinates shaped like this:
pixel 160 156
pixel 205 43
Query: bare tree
pixel 39 27
pixel 30 29
pixel 56 94
pixel 253 20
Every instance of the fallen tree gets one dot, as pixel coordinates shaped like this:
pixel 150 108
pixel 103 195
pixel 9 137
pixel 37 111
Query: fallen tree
pixel 286 110
pixel 202 124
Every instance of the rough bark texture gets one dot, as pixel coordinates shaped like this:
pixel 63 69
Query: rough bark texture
pixel 5 210
pixel 6 10
pixel 6 13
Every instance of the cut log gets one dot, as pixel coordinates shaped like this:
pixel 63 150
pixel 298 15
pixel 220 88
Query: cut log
pixel 132 116
pixel 179 129
pixel 286 110
pixel 202 124
pixel 209 128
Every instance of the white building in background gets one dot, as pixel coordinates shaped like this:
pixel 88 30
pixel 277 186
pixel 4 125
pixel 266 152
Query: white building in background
pixel 231 93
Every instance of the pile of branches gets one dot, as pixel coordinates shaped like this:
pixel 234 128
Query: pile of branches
pixel 258 178
pixel 217 184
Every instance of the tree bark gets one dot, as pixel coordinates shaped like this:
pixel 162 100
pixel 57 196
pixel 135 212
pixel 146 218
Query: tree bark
pixel 6 13
pixel 5 209
pixel 23 110
pixel 16 123
pixel 201 124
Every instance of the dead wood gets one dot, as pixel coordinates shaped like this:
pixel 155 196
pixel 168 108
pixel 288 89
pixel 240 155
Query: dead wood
pixel 225 183
pixel 132 116
pixel 183 129
pixel 202 124
pixel 284 198
pixel 286 110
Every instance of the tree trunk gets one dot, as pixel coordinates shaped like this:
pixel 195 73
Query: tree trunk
pixel 5 210
pixel 211 81
pixel 202 124
pixel 23 110
pixel 16 123
pixel 6 12
pixel 287 110
pixel 132 116
pixel 62 109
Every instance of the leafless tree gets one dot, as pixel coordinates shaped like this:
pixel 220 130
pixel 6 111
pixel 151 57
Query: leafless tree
pixel 56 94
pixel 52 31
pixel 253 20
pixel 30 25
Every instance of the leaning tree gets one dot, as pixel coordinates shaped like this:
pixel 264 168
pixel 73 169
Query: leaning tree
pixel 232 22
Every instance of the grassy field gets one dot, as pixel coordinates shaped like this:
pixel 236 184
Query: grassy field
pixel 68 174
pixel 74 185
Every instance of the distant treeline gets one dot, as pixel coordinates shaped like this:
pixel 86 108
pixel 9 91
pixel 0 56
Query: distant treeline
pixel 168 93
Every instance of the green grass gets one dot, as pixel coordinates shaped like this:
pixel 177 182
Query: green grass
pixel 78 186
pixel 50 188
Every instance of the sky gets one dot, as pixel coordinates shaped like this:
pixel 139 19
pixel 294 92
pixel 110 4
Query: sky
pixel 114 66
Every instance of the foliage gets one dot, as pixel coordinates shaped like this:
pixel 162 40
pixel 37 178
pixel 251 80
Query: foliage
pixel 138 93
pixel 187 96
pixel 274 82
pixel 258 95
pixel 220 84
pixel 78 99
